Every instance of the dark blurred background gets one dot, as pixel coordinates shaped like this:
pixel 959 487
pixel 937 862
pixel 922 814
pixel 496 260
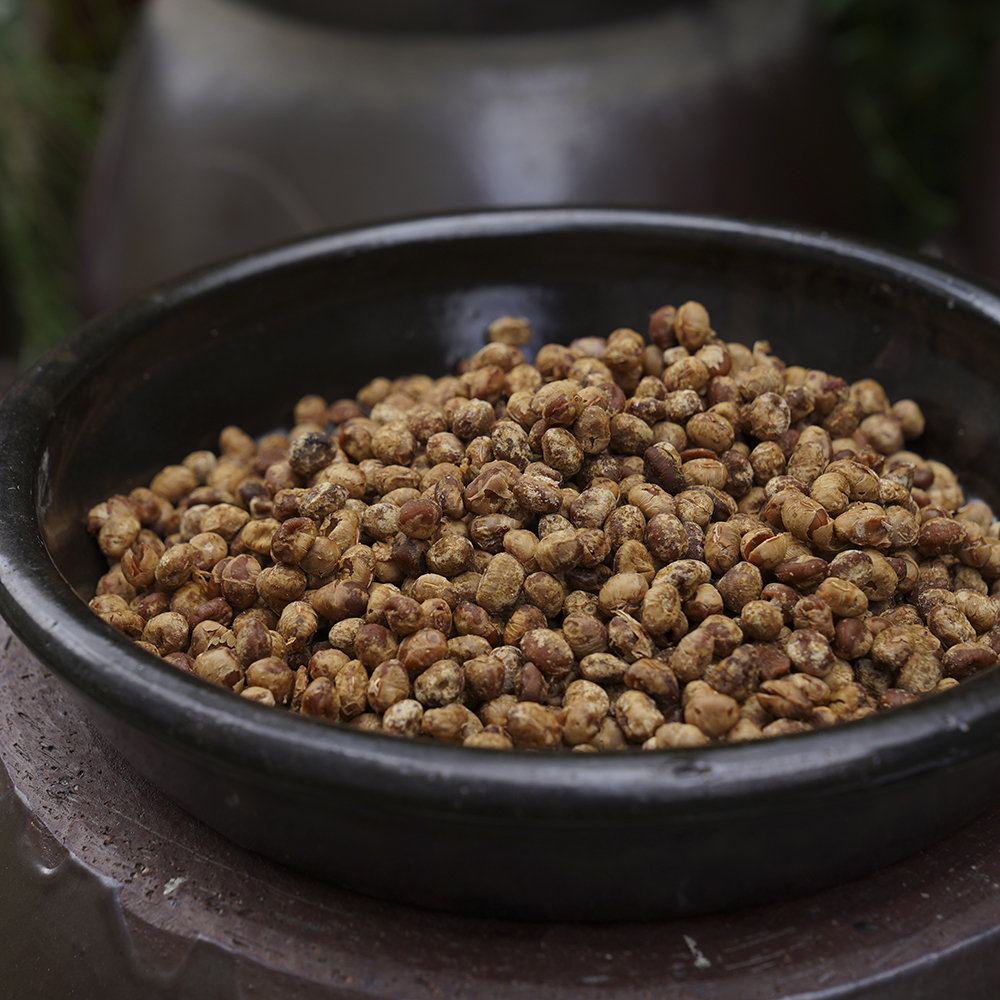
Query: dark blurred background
pixel 56 58
pixel 912 75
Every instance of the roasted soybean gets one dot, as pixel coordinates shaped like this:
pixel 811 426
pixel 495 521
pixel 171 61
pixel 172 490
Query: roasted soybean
pixel 625 544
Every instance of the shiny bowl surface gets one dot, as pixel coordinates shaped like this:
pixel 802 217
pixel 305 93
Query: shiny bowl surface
pixel 522 835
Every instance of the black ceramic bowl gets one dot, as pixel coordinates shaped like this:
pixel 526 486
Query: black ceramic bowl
pixel 635 835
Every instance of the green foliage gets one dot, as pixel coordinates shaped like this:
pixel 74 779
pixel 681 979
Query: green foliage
pixel 54 59
pixel 913 73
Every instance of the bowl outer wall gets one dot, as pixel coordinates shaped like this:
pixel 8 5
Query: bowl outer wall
pixel 944 750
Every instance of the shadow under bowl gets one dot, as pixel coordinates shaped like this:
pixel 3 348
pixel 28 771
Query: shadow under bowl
pixel 520 835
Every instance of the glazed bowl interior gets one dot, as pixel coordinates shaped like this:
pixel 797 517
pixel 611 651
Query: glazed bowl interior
pixel 633 835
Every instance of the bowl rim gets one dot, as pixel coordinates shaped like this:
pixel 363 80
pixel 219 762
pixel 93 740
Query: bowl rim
pixel 206 723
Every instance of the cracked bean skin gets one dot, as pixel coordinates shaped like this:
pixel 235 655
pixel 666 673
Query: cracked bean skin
pixel 452 723
pixel 581 722
pixel 713 713
pixel 810 652
pixel 637 716
pixel 651 540
pixel 532 725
